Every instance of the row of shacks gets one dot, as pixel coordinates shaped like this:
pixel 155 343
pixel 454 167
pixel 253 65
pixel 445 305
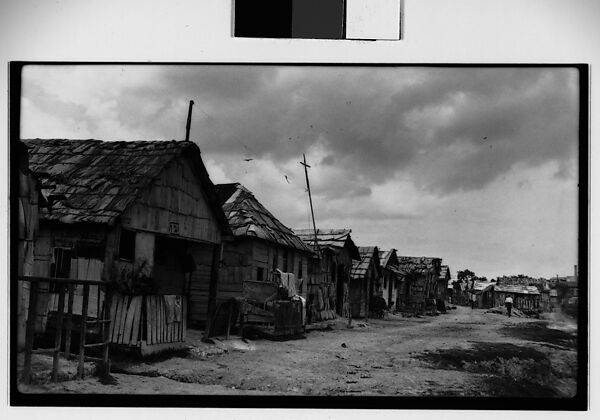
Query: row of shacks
pixel 530 295
pixel 148 244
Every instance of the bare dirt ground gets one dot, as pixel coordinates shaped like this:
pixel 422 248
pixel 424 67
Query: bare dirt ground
pixel 462 353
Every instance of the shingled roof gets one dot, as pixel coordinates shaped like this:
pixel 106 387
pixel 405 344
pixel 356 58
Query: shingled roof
pixel 389 259
pixel 100 179
pixel 248 217
pixel 334 239
pixel 367 255
pixel 416 264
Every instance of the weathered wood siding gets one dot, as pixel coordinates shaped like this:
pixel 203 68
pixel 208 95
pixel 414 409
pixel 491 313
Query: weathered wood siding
pixel 245 256
pixel 520 301
pixel 200 280
pixel 174 202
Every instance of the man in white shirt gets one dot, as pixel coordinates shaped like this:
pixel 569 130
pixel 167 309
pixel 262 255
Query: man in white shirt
pixel 508 302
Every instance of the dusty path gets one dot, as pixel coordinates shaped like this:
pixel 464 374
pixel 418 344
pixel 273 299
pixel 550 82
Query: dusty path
pixel 462 353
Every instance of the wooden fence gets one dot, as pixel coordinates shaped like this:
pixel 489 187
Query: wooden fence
pixel 65 289
pixel 151 322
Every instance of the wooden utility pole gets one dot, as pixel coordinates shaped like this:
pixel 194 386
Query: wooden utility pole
pixel 189 121
pixel 312 213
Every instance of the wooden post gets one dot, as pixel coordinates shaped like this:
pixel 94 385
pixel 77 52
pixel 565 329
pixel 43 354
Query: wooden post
pixel 189 121
pixel 29 332
pixel 84 307
pixel 106 330
pixel 69 321
pixel 58 336
pixel 312 213
pixel 212 289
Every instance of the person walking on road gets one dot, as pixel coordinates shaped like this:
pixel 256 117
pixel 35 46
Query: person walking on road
pixel 508 302
pixel 473 300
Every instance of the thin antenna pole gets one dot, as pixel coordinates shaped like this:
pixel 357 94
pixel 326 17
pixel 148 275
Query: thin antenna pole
pixel 312 212
pixel 189 121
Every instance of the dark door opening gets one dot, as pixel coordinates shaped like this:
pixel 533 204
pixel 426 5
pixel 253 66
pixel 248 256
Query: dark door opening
pixel 169 265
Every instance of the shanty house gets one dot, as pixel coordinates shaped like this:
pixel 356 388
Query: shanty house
pixel 418 277
pixel 329 270
pixel 142 216
pixel 525 298
pixel 364 280
pixel 262 248
pixel 442 284
pixel 484 293
pixel 389 271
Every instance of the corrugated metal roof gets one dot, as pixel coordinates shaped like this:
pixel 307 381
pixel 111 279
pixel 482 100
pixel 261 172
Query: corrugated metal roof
pixel 517 288
pixel 248 217
pixel 367 255
pixel 334 239
pixel 101 178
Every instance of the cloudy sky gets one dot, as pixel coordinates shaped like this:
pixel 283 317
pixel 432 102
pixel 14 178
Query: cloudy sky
pixel 477 166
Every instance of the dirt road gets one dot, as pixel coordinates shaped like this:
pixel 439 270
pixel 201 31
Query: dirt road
pixel 462 353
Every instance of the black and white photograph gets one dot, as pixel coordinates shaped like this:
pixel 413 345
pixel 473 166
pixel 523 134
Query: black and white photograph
pixel 300 230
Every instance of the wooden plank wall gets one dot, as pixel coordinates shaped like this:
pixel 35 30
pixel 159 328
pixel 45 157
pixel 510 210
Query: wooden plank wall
pixel 200 281
pixel 243 258
pixel 239 267
pixel 175 196
pixel 137 319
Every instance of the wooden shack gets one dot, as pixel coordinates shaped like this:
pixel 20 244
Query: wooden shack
pixel 390 271
pixel 329 270
pixel 364 280
pixel 142 216
pixel 418 277
pixel 525 298
pixel 262 248
pixel 484 294
pixel 441 291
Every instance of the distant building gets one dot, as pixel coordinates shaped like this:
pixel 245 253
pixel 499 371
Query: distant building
pixel 262 246
pixel 389 267
pixel 441 291
pixel 418 279
pixel 329 270
pixel 364 280
pixel 525 298
pixel 484 293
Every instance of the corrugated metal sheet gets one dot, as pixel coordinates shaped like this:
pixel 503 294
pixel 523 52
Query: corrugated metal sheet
pixel 248 217
pixel 100 179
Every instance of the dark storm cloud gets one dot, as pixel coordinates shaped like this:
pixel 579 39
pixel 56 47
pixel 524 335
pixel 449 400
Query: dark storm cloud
pixel 444 129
